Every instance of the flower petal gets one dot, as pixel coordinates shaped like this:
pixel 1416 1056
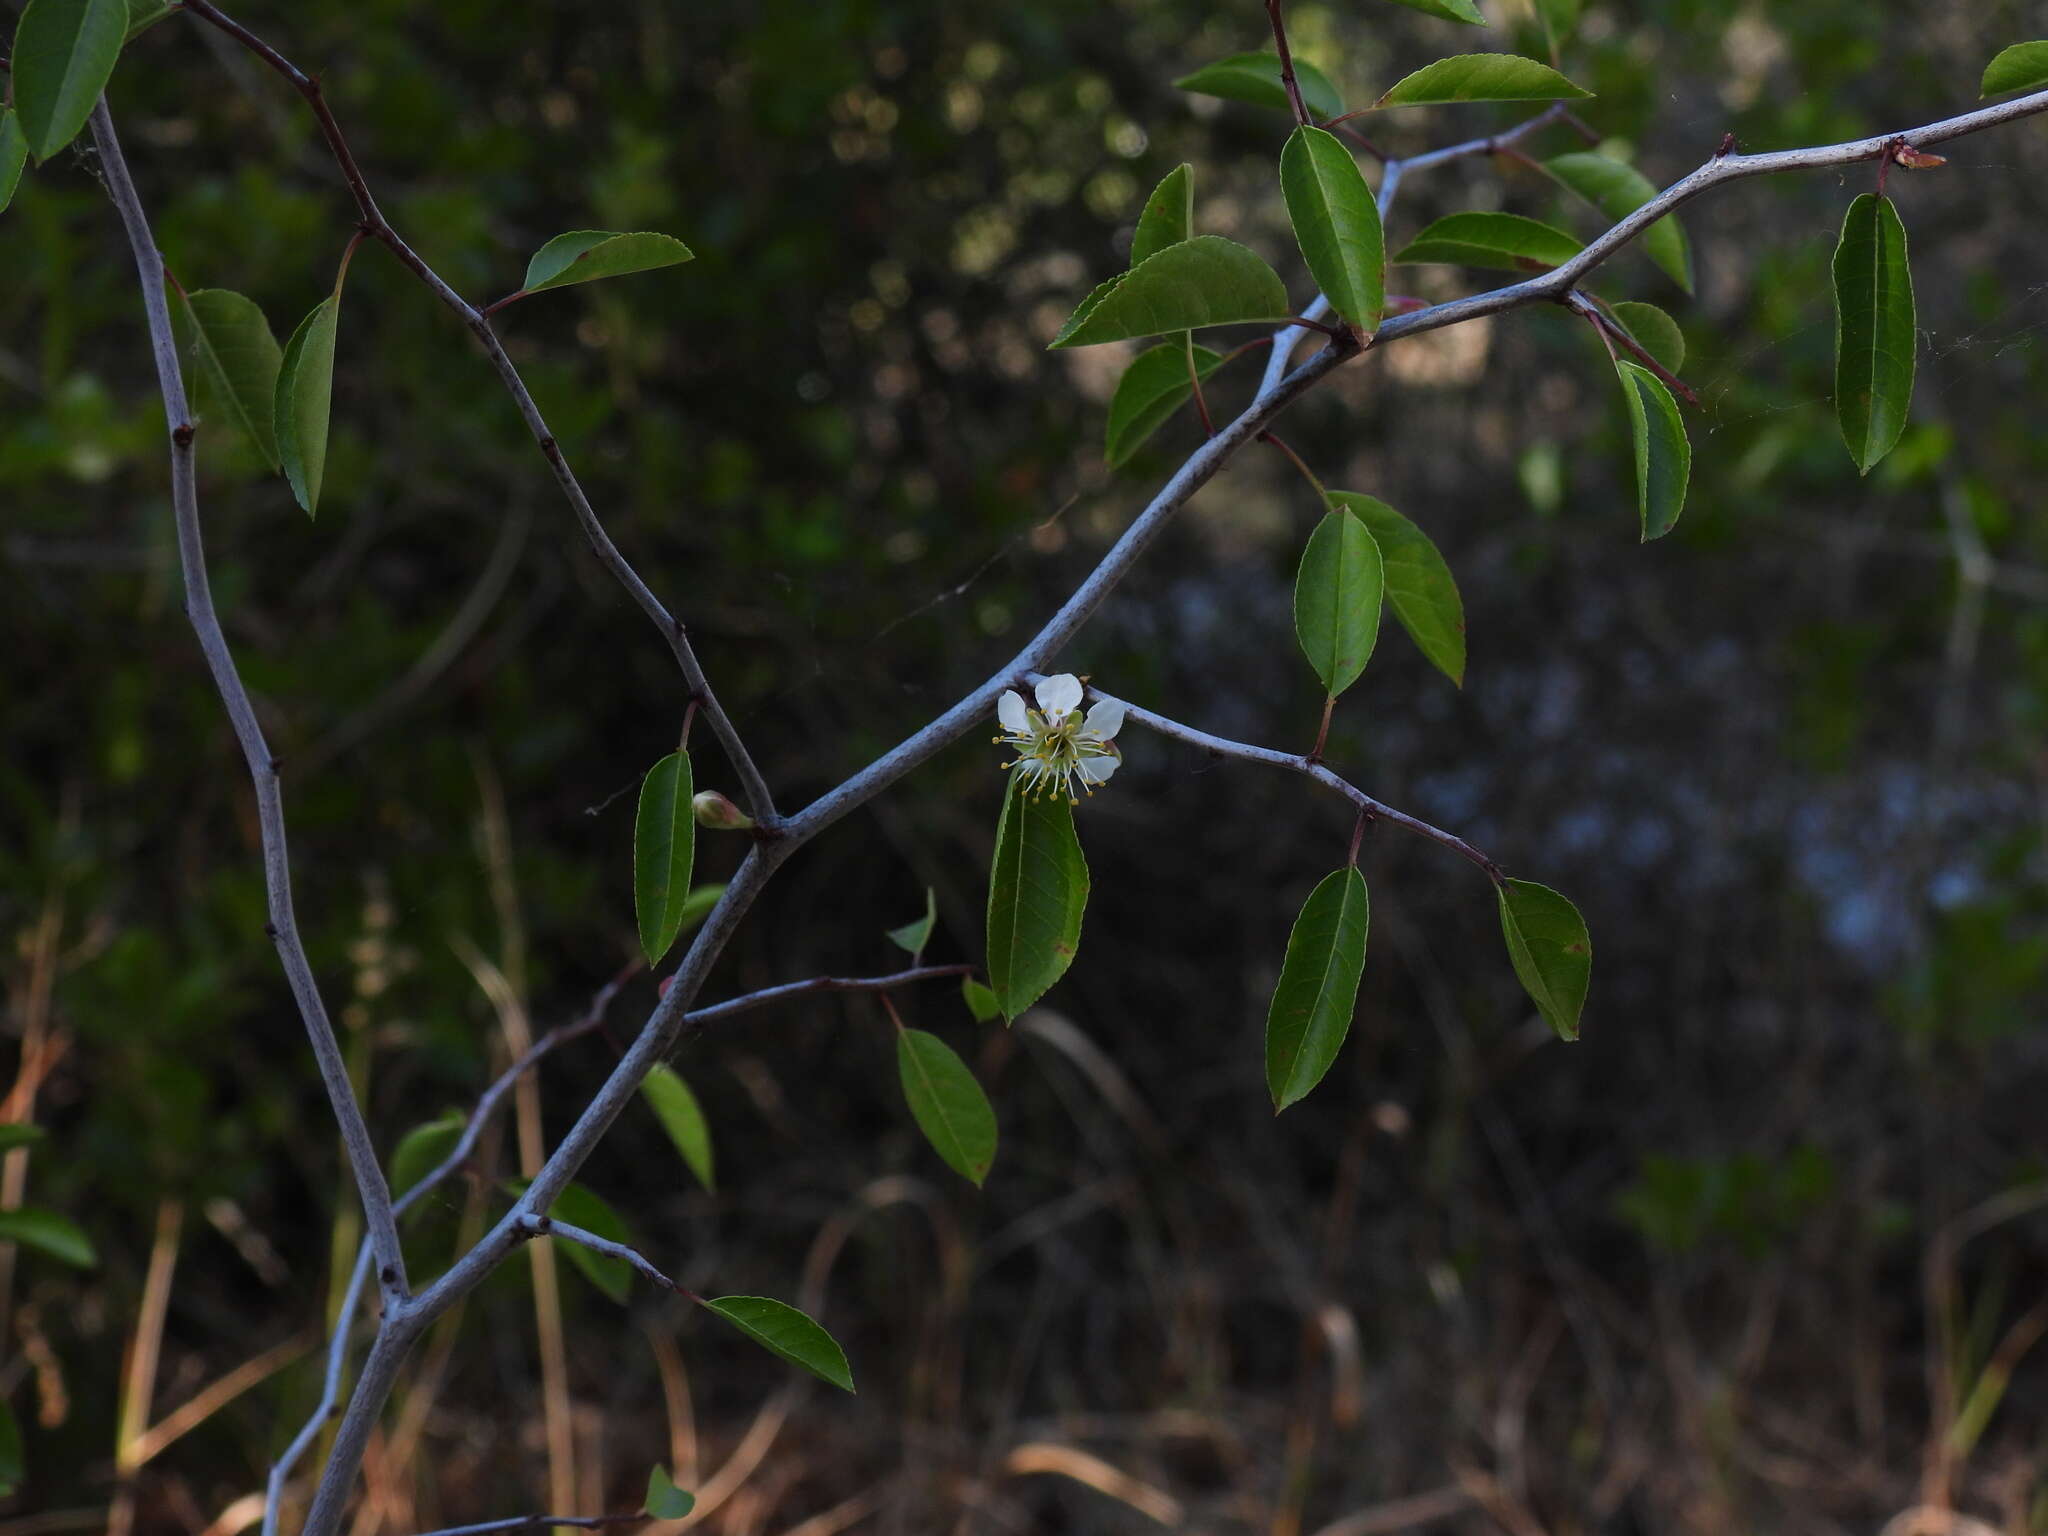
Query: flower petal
pixel 1106 718
pixel 1059 695
pixel 1096 770
pixel 1010 710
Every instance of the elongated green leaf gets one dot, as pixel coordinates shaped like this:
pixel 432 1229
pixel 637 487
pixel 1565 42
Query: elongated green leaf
pixel 423 1149
pixel 683 1118
pixel 1618 190
pixel 64 52
pixel 1875 337
pixel 664 847
pixel 1654 331
pixel 581 1208
pixel 950 1107
pixel 13 1464
pixel 1037 891
pixel 783 1330
pixel 1337 595
pixel 912 937
pixel 665 1501
pixel 305 393
pixel 13 155
pixel 1449 10
pixel 1480 77
pixel 1169 215
pixel 980 1000
pixel 1255 78
pixel 1663 453
pixel 1503 240
pixel 1204 281
pixel 1336 223
pixel 1418 582
pixel 2022 67
pixel 47 1232
pixel 12 1136
pixel 585 255
pixel 1152 388
pixel 1551 951
pixel 1312 1005
pixel 237 362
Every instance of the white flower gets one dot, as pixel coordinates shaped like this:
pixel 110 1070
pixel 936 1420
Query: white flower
pixel 1055 746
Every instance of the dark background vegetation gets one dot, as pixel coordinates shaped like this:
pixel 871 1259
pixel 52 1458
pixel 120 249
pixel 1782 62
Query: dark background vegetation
pixel 1723 1266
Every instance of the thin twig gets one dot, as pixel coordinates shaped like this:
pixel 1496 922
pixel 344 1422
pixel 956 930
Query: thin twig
pixel 1287 81
pixel 539 1522
pixel 547 1226
pixel 1612 331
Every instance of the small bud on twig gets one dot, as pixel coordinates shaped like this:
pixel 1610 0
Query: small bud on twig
pixel 713 810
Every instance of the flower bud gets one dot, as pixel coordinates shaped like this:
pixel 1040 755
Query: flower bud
pixel 713 810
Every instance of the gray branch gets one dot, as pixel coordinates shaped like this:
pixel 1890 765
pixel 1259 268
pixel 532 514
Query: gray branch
pixel 547 1226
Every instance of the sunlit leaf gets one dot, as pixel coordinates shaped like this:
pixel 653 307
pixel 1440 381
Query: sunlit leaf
pixel 913 937
pixel 585 255
pixel 237 360
pixel 1663 453
pixel 1255 78
pixel 1480 77
pixel 664 848
pixel 2022 67
pixel 579 1207
pixel 305 392
pixel 1337 595
pixel 950 1107
pixel 785 1331
pixel 1875 338
pixel 1654 331
pixel 64 52
pixel 1336 223
pixel 981 1001
pixel 1552 954
pixel 1449 10
pixel 13 155
pixel 1318 989
pixel 1502 240
pixel 683 1118
pixel 1037 891
pixel 1204 281
pixel 1152 388
pixel 423 1149
pixel 665 1501
pixel 1618 190
pixel 47 1232
pixel 1169 215
pixel 1418 582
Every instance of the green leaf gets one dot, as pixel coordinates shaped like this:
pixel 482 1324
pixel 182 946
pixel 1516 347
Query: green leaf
pixel 423 1149
pixel 1503 240
pixel 13 155
pixel 1874 332
pixel 237 361
pixel 12 1136
pixel 13 1465
pixel 1151 390
pixel 1204 281
pixel 1560 18
pixel 580 1208
pixel 1618 190
pixel 1480 77
pixel 1552 954
pixel 1418 582
pixel 783 1330
pixel 664 847
pixel 2022 67
pixel 1169 215
pixel 1336 224
pixel 1312 1005
pixel 665 1501
pixel 58 1236
pixel 144 14
pixel 585 255
pixel 64 51
pixel 950 1107
pixel 683 1118
pixel 1337 595
pixel 1449 10
pixel 1255 77
pixel 980 1000
pixel 1654 331
pixel 305 393
pixel 1037 891
pixel 912 937
pixel 1663 452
